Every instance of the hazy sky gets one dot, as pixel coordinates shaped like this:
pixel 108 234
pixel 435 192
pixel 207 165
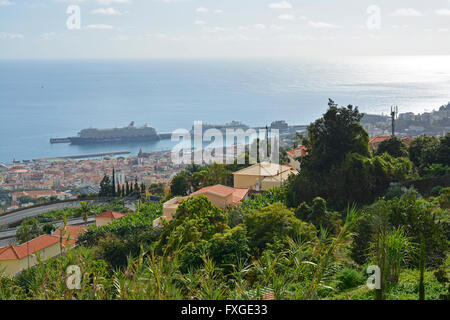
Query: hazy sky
pixel 223 28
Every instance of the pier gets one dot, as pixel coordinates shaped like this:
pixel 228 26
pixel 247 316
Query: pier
pixel 59 140
pixel 83 156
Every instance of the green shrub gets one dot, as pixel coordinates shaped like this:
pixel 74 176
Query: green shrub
pixel 349 278
pixel 436 191
pixel 275 222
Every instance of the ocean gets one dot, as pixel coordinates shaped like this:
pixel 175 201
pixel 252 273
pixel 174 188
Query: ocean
pixel 43 99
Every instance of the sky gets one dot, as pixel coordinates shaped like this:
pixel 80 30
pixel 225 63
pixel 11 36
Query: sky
pixel 98 29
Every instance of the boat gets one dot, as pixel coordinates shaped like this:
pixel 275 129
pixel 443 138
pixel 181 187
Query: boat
pixel 131 133
pixel 234 125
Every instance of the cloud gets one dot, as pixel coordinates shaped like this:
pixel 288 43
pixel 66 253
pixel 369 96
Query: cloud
pixel 322 25
pixel 286 17
pixel 70 1
pixel 11 36
pixel 400 27
pixel 280 5
pixel 107 12
pixel 99 27
pixel 301 37
pixel 409 12
pixel 259 26
pixel 443 12
pixel 108 2
pixel 6 3
pixel 199 22
pixel 50 36
pixel 202 10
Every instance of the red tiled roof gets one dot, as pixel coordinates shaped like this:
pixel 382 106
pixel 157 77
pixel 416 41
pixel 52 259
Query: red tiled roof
pixel 18 252
pixel 378 139
pixel 113 215
pixel 37 193
pixel 375 141
pixel 302 150
pixel 73 231
pixel 218 189
pixel 238 194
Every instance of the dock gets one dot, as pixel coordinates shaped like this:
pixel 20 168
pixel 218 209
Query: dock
pixel 83 156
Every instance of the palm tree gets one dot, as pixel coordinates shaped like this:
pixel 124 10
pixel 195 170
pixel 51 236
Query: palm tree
pixel 85 211
pixel 62 233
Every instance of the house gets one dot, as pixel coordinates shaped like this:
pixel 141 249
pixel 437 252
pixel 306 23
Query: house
pixel 263 176
pixel 40 194
pixel 375 141
pixel 219 195
pixel 15 258
pixel 108 217
pixel 71 232
pixel 294 154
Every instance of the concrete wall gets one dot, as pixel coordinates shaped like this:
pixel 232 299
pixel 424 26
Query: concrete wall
pixel 100 222
pixel 244 181
pixel 12 267
pixel 217 201
pixel 169 212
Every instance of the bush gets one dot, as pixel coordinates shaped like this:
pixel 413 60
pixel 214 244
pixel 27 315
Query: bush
pixel 395 190
pixel 349 278
pixel 136 222
pixel 436 170
pixel 436 191
pixel 274 222
pixel 196 219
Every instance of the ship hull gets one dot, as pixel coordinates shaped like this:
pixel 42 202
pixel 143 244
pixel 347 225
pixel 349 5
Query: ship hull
pixel 81 141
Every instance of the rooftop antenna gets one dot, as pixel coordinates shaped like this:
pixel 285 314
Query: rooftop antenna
pixel 394 114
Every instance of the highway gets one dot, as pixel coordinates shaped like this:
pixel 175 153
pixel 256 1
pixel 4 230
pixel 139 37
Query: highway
pixel 7 235
pixel 16 217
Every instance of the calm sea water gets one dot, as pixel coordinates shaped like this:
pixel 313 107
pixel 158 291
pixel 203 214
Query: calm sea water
pixel 44 99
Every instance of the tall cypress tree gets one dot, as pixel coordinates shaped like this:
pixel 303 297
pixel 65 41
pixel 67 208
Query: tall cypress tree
pixel 113 182
pixel 136 186
pixel 105 186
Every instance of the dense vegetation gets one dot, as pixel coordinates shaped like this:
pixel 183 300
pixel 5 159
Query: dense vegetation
pixel 313 238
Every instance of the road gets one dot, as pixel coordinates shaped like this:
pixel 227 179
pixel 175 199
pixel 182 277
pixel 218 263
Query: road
pixel 33 212
pixel 8 236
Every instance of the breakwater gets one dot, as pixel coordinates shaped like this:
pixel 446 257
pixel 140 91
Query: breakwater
pixel 84 156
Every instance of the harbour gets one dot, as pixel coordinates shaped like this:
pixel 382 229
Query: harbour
pixel 85 156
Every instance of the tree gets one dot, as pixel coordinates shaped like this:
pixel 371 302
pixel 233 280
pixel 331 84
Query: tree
pixel 48 228
pixel 136 186
pixel 392 146
pixel 275 223
pixel 105 187
pixel 28 230
pixel 423 150
pixel 113 183
pixel 338 155
pixel 196 219
pixel 85 211
pixel 179 186
pixel 127 190
pixel 335 135
pixel 443 150
pixel 157 189
pixel 318 215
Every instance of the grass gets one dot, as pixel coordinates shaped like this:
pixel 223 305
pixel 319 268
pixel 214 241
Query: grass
pixel 406 289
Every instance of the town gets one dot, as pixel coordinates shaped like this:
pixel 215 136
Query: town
pixel 23 184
